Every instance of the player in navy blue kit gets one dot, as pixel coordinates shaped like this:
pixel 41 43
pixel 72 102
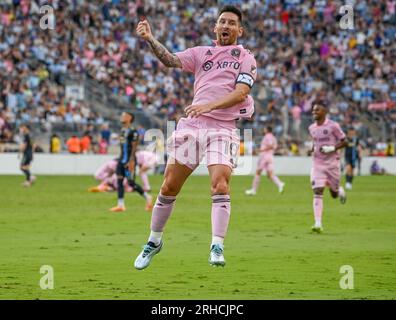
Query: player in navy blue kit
pixel 126 167
pixel 352 156
pixel 26 149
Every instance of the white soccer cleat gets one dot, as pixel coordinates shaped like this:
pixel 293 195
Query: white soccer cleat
pixel 144 258
pixel 342 195
pixel 216 257
pixel 250 192
pixel 281 187
pixel 348 186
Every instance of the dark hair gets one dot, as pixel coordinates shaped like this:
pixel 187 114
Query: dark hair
pixel 24 125
pixel 321 102
pixel 232 9
pixel 131 114
pixel 269 128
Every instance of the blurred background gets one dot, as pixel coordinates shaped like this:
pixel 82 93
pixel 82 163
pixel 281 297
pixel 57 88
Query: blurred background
pixel 71 83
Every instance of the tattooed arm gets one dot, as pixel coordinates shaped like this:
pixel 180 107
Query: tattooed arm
pixel 143 30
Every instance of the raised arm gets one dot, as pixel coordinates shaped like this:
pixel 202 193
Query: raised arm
pixel 170 60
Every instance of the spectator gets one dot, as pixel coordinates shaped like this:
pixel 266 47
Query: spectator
pixel 103 146
pixel 85 143
pixel 390 148
pixel 375 169
pixel 105 132
pixel 73 145
pixel 55 144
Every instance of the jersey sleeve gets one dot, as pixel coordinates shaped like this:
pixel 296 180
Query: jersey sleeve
pixel 248 70
pixel 134 136
pixel 188 59
pixel 337 131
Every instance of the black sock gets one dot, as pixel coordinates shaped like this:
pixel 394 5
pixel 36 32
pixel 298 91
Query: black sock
pixel 27 174
pixel 136 187
pixel 120 189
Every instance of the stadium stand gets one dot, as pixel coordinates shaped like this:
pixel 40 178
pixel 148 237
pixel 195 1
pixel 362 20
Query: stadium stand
pixel 92 66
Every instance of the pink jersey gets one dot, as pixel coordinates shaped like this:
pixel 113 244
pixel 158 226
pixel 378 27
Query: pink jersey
pixel 217 70
pixel 327 134
pixel 106 170
pixel 269 140
pixel 146 158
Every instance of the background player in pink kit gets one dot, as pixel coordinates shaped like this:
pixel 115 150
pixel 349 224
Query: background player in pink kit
pixel 145 160
pixel 266 162
pixel 224 75
pixel 328 138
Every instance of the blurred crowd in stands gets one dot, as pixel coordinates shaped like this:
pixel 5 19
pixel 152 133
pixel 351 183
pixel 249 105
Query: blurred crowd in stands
pixel 300 48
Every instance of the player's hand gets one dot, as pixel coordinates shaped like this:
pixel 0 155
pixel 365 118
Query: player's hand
pixel 194 111
pixel 131 166
pixel 143 30
pixel 327 149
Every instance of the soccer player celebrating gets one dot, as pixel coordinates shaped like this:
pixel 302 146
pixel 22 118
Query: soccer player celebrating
pixel 26 148
pixel 127 163
pixel 353 152
pixel 266 162
pixel 328 138
pixel 224 74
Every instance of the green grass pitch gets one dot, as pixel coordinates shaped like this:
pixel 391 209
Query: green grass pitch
pixel 270 250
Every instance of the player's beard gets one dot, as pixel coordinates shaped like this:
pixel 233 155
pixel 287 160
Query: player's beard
pixel 226 41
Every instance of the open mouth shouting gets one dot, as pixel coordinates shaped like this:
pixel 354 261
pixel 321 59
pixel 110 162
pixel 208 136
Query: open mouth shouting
pixel 225 36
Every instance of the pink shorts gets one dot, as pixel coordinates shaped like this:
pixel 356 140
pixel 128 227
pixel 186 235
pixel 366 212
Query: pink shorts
pixel 146 159
pixel 322 176
pixel 194 139
pixel 265 163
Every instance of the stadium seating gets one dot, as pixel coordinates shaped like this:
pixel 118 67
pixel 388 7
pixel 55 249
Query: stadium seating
pixel 301 52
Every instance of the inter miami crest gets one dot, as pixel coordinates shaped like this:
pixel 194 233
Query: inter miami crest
pixel 236 52
pixel 325 131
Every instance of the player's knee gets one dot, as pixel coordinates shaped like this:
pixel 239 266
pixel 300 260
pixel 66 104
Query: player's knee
pixel 318 191
pixel 220 186
pixel 169 189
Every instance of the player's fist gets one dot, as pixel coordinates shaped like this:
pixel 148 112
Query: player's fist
pixel 143 30
pixel 327 149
